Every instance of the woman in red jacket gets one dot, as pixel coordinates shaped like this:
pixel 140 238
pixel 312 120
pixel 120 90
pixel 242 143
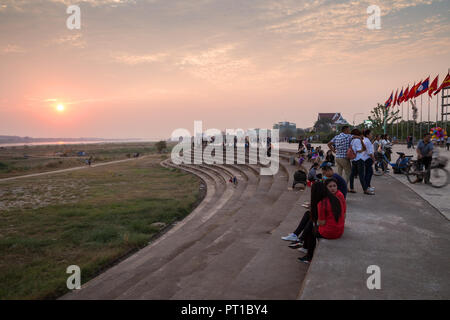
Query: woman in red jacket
pixel 330 217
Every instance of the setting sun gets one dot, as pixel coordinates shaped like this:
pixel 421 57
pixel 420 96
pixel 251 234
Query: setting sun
pixel 60 107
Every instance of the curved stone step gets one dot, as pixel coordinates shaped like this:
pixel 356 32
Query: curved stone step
pixel 216 248
pixel 217 232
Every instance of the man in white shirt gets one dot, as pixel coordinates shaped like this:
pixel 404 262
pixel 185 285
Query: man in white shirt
pixel 369 159
pixel 358 163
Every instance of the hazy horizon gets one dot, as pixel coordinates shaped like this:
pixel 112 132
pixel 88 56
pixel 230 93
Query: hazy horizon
pixel 143 68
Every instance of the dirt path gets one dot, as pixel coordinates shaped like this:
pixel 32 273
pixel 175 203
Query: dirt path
pixel 70 169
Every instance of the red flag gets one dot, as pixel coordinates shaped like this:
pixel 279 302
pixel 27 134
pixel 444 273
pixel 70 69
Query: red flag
pixel 400 97
pixel 389 100
pixel 433 86
pixel 444 84
pixel 406 94
pixel 412 92
pixel 395 99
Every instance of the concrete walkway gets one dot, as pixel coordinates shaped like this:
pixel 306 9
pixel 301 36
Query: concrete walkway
pixel 437 197
pixel 396 230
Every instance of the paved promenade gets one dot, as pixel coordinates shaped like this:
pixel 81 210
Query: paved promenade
pixel 396 230
pixel 438 198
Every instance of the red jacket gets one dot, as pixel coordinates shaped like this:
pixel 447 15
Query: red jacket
pixel 331 229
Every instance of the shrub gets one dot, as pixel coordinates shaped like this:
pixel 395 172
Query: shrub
pixel 160 146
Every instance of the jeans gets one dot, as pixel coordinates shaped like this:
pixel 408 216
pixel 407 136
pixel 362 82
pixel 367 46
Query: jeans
pixel 358 167
pixel 368 165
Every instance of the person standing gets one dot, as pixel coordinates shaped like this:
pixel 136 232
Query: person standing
pixel 300 144
pixel 425 154
pixel 358 163
pixel 339 145
pixel 448 143
pixel 369 159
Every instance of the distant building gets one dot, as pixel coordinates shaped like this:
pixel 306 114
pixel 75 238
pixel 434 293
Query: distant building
pixel 335 119
pixel 286 129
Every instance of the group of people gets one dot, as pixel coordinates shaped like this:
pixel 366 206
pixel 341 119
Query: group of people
pixel 355 155
pixel 353 152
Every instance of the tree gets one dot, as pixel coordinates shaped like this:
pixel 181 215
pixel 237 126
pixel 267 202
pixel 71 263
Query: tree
pixel 323 125
pixel 382 116
pixel 160 146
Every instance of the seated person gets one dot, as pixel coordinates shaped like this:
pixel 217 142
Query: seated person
pixel 308 218
pixel 327 172
pixel 331 211
pixel 330 157
pixel 312 175
pixel 299 177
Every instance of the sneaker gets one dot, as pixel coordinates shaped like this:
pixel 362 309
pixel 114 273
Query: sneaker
pixel 303 250
pixel 291 237
pixel 371 189
pixel 296 245
pixel 304 260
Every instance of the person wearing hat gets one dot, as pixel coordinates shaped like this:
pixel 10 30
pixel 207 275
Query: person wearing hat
pixel 327 172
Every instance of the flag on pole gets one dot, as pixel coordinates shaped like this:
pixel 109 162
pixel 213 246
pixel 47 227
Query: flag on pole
pixel 395 99
pixel 423 87
pixel 400 97
pixel 389 101
pixel 444 84
pixel 433 86
pixel 412 92
pixel 406 94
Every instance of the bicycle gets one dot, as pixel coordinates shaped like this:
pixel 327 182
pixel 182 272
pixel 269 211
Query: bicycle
pixel 382 163
pixel 439 176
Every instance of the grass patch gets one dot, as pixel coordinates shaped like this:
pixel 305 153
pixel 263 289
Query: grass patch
pixel 113 217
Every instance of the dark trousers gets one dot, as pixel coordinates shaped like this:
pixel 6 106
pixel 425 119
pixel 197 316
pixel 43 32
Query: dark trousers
pixel 358 167
pixel 368 171
pixel 426 161
pixel 310 239
pixel 306 220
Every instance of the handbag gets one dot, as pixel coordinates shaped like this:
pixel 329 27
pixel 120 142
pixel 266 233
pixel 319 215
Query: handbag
pixel 350 153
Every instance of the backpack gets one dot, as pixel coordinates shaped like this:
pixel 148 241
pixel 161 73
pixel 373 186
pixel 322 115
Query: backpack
pixel 300 176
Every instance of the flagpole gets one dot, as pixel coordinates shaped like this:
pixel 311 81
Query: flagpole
pixel 407 123
pixel 428 123
pixel 398 109
pixel 402 122
pixel 437 109
pixel 421 109
pixel 414 121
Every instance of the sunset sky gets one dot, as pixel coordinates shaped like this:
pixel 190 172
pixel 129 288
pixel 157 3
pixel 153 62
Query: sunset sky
pixel 142 68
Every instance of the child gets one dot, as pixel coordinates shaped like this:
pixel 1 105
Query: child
pixel 312 175
pixel 302 159
pixel 330 157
